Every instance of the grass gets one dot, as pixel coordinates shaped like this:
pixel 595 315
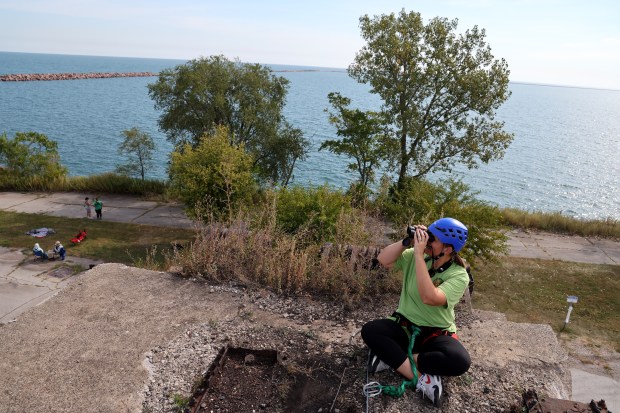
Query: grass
pixel 103 183
pixel 108 241
pixel 557 223
pixel 535 291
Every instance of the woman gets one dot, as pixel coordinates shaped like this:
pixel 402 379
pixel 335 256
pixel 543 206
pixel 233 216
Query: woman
pixel 434 280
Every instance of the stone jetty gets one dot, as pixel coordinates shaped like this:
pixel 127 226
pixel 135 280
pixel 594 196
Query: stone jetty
pixel 27 77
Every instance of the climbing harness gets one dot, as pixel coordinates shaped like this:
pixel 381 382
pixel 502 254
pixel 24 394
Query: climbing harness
pixel 373 388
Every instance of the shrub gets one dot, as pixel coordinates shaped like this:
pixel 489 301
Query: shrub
pixel 314 211
pixel 215 177
pixel 421 201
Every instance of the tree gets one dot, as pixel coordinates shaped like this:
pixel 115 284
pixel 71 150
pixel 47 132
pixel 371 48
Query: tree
pixel 363 138
pixel 31 154
pixel 138 147
pixel 440 91
pixel 214 173
pixel 279 154
pixel 203 94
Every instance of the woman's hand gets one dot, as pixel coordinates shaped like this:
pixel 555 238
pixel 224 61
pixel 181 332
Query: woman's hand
pixel 419 240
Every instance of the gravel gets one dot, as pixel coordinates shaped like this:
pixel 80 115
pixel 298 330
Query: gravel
pixel 508 358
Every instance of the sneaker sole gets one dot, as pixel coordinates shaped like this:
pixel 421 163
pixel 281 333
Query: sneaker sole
pixel 437 398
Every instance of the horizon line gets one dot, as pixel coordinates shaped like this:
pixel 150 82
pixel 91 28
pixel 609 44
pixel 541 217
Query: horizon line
pixel 331 68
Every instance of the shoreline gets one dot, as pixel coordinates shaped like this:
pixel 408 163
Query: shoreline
pixel 29 77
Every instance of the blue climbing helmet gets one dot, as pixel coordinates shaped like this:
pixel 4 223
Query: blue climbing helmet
pixel 450 231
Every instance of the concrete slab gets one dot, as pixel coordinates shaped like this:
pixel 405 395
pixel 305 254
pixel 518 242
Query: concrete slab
pixel 590 256
pixel 171 215
pixel 587 386
pixel 117 208
pixel 19 297
pixel 12 199
pixel 26 282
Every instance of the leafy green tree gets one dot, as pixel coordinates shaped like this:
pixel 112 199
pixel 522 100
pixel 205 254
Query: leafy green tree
pixel 31 154
pixel 440 91
pixel 138 147
pixel 214 175
pixel 279 153
pixel 363 138
pixel 202 94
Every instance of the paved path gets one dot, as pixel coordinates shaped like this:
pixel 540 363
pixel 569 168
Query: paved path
pixel 116 208
pixel 546 246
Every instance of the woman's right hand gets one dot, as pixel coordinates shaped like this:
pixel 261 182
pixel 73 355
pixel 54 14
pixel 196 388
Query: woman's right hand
pixel 420 240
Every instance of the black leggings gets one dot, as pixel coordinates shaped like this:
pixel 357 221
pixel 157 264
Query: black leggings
pixel 441 355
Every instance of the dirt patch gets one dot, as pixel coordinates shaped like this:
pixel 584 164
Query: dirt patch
pixel 60 272
pixel 258 379
pixel 305 374
pixel 592 356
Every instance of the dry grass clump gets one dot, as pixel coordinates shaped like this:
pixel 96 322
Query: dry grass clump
pixel 557 223
pixel 253 249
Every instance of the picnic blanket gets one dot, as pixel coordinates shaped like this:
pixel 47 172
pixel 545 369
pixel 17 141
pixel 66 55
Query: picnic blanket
pixel 40 232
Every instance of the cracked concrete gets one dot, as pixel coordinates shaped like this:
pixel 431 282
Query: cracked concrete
pixel 26 282
pixel 546 246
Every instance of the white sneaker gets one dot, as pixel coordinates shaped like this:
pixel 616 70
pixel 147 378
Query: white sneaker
pixel 430 386
pixel 375 365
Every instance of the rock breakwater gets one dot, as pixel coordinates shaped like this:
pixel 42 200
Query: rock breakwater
pixel 27 77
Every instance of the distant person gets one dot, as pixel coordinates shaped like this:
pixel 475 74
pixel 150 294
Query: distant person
pixel 88 207
pixel 38 251
pixel 98 207
pixel 60 250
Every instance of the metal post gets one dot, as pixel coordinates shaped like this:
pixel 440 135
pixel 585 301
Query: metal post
pixel 571 299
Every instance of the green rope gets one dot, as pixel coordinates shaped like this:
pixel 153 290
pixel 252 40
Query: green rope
pixel 397 391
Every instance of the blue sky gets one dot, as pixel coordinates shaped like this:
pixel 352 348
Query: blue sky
pixel 563 42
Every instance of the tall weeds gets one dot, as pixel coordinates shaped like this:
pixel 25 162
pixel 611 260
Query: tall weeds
pixel 252 249
pixel 558 223
pixel 104 183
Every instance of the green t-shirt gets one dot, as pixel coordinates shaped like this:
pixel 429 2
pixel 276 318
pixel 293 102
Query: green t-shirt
pixel 452 282
pixel 98 205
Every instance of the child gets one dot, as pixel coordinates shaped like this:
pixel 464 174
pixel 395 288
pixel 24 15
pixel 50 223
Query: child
pixel 87 205
pixel 60 250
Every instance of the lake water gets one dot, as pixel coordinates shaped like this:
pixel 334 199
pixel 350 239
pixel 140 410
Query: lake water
pixel 565 155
